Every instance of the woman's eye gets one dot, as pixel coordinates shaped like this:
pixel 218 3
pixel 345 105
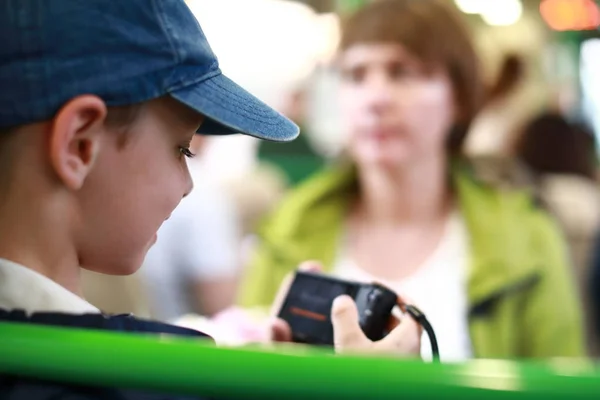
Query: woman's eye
pixel 398 71
pixel 354 75
pixel 186 152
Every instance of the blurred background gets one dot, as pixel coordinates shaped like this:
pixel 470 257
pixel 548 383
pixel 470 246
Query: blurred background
pixel 276 48
pixel 283 52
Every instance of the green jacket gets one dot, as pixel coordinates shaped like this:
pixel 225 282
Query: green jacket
pixel 522 298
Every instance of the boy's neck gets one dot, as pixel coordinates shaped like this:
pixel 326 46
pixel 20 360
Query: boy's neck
pixel 37 239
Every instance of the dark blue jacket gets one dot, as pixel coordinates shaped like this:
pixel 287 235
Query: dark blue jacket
pixel 595 288
pixel 20 388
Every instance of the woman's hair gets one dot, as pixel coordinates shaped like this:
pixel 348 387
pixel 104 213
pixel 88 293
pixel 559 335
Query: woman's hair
pixel 512 71
pixel 433 32
pixel 550 144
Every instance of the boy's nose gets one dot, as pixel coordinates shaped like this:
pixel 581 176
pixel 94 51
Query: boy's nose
pixel 189 183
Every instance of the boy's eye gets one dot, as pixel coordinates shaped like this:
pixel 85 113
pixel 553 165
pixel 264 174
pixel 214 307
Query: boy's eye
pixel 186 152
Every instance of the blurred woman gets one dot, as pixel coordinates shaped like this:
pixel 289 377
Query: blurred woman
pixel 562 158
pixel 486 265
pixel 194 265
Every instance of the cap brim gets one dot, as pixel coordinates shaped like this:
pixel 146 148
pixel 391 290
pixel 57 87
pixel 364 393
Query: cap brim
pixel 230 109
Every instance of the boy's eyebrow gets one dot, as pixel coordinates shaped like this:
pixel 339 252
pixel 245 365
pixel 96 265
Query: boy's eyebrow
pixel 184 115
pixel 187 113
pixel 196 120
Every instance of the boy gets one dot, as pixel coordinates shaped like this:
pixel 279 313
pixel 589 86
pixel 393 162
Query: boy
pixel 99 102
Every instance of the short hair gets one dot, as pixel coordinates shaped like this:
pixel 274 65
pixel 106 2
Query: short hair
pixel 119 118
pixel 434 33
pixel 6 131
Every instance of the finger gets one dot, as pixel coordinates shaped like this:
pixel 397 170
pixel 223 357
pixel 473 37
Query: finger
pixel 280 331
pixel 281 294
pixel 404 339
pixel 393 322
pixel 347 334
pixel 310 266
pixel 403 301
pixel 307 266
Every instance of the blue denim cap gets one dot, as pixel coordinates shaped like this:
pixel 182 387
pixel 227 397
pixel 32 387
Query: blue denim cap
pixel 125 52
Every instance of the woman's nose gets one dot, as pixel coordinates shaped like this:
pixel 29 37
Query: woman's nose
pixel 378 96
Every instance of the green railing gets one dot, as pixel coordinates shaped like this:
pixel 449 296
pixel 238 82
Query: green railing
pixel 188 366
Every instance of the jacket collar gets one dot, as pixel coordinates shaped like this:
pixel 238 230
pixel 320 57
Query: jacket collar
pixel 501 258
pixel 25 289
pixel 498 220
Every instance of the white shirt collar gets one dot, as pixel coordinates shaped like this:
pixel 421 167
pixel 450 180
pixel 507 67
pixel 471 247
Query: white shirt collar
pixel 25 289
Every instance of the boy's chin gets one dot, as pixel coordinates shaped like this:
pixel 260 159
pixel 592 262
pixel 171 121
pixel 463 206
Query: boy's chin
pixel 114 271
pixel 122 267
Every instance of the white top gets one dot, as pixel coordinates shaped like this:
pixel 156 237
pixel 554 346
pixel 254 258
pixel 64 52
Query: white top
pixel 25 289
pixel 438 288
pixel 200 241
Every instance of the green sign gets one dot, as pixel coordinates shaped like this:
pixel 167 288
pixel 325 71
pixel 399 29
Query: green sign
pixel 347 6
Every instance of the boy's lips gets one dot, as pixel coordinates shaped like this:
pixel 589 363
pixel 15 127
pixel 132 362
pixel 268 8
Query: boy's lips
pixel 155 238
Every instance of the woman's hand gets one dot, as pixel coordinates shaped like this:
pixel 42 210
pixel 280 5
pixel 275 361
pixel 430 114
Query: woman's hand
pixel 280 330
pixel 404 339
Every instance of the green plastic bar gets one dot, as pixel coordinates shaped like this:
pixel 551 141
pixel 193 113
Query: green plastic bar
pixel 189 366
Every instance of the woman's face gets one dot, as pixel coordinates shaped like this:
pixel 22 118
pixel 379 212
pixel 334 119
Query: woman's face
pixel 394 111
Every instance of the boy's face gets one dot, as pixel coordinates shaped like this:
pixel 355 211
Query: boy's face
pixel 132 189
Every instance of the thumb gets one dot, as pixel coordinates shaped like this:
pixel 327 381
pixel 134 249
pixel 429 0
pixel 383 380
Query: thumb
pixel 280 331
pixel 347 334
pixel 404 339
pixel 284 287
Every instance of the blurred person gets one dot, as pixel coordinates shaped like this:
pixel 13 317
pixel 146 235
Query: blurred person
pixel 512 72
pixel 194 265
pixel 96 126
pixel 562 157
pixel 405 208
pixel 593 288
pixel 116 294
pixel 299 159
pixel 279 166
pixel 509 103
pixel 255 193
pixel 488 140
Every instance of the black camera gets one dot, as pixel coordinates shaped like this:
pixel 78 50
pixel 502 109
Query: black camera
pixel 307 307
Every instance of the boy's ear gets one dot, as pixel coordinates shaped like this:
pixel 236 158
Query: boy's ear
pixel 75 136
